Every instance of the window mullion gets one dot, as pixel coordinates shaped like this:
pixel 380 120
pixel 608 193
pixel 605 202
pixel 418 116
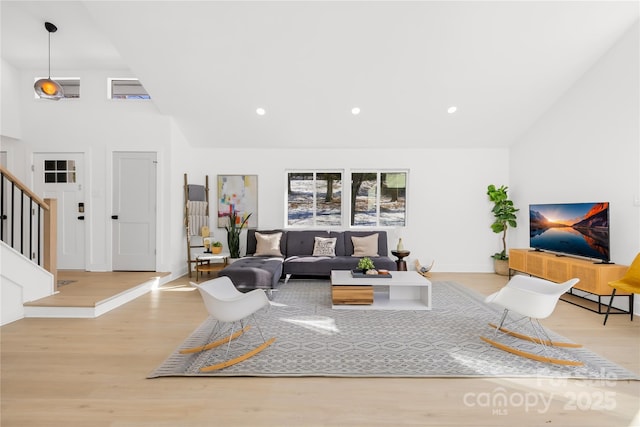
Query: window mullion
pixel 378 198
pixel 314 206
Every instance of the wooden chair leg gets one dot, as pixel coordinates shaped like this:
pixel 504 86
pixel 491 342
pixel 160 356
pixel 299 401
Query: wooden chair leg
pixel 613 294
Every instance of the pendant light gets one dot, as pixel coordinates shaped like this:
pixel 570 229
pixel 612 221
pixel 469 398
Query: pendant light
pixel 47 88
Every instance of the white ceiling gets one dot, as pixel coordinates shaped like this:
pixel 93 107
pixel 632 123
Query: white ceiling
pixel 210 64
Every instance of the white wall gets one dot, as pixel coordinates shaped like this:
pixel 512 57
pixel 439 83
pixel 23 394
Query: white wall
pixel 448 211
pixel 20 282
pixel 95 126
pixel 10 113
pixel 10 125
pixel 586 148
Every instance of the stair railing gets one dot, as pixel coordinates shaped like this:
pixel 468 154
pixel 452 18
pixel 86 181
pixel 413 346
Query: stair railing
pixel 28 223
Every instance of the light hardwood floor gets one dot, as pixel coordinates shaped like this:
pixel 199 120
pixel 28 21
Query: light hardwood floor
pixel 91 372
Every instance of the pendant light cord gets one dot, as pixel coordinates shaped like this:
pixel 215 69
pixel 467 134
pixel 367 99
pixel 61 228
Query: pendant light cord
pixel 49 55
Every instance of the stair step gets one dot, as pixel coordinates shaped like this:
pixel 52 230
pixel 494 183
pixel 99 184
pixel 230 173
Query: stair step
pixel 71 305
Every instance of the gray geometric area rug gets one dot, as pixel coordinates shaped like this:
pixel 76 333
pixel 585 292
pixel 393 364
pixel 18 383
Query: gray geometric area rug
pixel 312 339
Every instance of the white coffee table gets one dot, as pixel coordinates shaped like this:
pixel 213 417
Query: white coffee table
pixel 405 290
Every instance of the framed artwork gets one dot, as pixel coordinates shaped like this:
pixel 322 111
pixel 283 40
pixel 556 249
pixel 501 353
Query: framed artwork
pixel 238 193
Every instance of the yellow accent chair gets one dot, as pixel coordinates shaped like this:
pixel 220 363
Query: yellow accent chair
pixel 630 284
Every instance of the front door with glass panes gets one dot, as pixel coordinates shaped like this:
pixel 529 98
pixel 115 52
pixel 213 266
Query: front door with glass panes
pixel 61 176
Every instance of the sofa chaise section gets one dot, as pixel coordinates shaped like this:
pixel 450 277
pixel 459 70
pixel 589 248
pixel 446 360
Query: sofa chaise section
pixel 254 272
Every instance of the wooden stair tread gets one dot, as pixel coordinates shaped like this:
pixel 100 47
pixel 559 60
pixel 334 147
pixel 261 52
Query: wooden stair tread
pixel 90 289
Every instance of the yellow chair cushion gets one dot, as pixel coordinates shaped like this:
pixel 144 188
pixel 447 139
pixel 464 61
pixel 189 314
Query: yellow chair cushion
pixel 631 280
pixel 626 286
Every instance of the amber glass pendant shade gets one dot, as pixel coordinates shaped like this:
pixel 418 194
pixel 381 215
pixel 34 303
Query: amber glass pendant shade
pixel 47 88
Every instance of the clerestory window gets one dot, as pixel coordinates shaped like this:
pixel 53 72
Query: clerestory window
pixel 121 88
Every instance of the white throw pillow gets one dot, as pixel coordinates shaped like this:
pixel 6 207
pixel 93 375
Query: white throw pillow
pixel 325 246
pixel 268 244
pixel 365 246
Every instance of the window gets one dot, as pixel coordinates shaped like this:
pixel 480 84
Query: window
pixel 314 198
pixel 378 199
pixel 59 171
pixel 70 86
pixel 127 89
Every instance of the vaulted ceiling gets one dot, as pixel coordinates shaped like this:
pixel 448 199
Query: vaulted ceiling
pixel 211 64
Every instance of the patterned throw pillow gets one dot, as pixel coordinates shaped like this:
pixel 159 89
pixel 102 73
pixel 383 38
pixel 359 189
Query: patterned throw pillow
pixel 325 246
pixel 365 246
pixel 268 244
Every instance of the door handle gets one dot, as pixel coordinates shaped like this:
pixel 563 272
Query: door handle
pixel 114 216
pixel 81 217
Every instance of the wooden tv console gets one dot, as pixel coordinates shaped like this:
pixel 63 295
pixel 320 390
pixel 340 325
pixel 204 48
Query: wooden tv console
pixel 594 277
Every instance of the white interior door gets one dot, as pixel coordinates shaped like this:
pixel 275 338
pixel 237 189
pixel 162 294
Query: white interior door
pixel 61 176
pixel 134 211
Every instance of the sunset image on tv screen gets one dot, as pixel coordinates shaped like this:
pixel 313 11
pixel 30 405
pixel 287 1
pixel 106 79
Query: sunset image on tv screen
pixel 580 229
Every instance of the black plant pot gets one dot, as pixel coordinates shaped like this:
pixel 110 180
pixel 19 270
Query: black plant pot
pixel 233 240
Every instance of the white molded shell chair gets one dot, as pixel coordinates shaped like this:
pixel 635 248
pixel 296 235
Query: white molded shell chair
pixel 228 305
pixel 533 299
pixel 531 296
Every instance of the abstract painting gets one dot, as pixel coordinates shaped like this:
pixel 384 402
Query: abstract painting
pixel 238 193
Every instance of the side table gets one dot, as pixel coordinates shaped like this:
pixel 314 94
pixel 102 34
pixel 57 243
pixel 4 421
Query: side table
pixel 203 263
pixel 401 264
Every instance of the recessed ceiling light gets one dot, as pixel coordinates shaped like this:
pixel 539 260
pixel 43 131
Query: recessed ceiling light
pixel 355 111
pixel 261 111
pixel 452 109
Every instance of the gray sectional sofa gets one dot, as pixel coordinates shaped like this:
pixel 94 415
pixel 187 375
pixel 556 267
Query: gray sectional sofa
pixel 296 256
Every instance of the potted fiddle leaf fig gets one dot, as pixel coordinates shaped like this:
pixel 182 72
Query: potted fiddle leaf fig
pixel 504 215
pixel 234 228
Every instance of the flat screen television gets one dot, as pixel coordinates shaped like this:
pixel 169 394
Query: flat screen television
pixel 580 229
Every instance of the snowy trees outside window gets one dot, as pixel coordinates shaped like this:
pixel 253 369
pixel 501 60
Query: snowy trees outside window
pixel 314 199
pixel 378 199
